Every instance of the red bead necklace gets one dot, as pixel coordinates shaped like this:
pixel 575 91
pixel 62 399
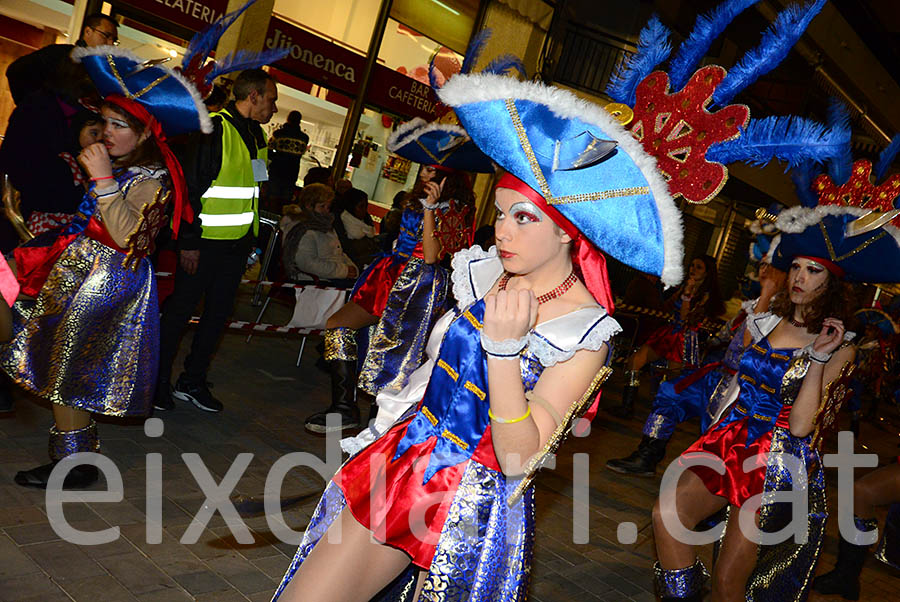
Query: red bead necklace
pixel 566 284
pixel 797 323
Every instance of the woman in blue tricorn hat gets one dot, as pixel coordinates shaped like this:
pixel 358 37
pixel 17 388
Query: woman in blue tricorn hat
pixel 86 336
pixel 440 506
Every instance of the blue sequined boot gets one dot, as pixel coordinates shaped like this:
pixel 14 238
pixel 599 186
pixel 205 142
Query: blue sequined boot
pixel 681 584
pixel 63 444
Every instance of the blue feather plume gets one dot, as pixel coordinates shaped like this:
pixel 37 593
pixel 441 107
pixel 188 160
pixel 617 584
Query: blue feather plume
pixel 653 48
pixel 776 43
pixel 839 121
pixel 789 139
pixel 204 42
pixel 707 28
pixel 887 157
pixel 504 63
pixel 476 47
pixel 244 59
pixel 803 176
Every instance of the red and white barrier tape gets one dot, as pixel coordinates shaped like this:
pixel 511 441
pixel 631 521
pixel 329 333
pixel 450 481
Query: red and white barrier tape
pixel 270 283
pixel 263 327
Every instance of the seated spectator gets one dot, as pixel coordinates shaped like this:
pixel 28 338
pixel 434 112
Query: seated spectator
pixel 342 186
pixel 318 175
pixel 355 228
pixel 355 216
pixel 390 223
pixel 311 245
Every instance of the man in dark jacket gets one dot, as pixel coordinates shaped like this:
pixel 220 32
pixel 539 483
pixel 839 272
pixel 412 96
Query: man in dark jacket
pixel 222 171
pixel 50 68
pixel 286 149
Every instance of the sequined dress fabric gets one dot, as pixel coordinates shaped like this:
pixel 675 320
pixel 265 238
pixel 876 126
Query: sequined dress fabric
pixel 397 345
pixel 756 429
pixel 90 339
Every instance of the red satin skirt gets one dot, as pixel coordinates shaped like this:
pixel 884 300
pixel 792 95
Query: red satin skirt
pixel 729 444
pixel 372 294
pixel 667 343
pixel 389 498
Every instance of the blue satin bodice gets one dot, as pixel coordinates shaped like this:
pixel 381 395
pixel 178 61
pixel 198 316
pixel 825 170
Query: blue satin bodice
pixel 455 407
pixel 760 375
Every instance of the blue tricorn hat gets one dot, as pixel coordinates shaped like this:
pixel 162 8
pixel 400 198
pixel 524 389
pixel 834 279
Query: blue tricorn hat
pixel 580 160
pixel 838 235
pixel 439 143
pixel 164 92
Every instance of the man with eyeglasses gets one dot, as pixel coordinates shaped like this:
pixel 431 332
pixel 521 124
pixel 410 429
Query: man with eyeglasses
pixel 50 67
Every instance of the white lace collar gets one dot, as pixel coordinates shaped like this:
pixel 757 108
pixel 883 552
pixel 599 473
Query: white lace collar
pixel 474 273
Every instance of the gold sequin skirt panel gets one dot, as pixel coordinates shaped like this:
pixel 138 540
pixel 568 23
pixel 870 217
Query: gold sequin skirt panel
pixel 90 340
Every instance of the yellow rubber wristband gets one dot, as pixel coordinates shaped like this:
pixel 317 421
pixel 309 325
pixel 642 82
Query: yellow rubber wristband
pixel 513 421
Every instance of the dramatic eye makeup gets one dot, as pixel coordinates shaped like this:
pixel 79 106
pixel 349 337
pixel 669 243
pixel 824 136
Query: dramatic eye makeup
pixel 117 122
pixel 525 212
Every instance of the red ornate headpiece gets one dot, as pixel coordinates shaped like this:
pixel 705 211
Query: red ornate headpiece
pixel 859 190
pixel 677 129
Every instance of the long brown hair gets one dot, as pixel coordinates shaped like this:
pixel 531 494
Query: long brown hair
pixel 837 300
pixel 146 153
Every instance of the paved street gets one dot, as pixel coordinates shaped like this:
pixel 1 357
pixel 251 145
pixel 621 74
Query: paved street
pixel 266 398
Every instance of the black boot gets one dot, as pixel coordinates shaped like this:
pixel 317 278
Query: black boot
pixel 641 463
pixel 343 399
pixel 844 578
pixel 6 399
pixel 629 393
pixel 77 478
pixel 62 444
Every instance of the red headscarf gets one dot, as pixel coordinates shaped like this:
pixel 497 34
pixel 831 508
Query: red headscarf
pixel 182 207
pixel 832 267
pixel 589 262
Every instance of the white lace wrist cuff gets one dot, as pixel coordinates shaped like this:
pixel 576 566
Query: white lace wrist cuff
pixel 425 204
pixel 508 349
pixel 817 356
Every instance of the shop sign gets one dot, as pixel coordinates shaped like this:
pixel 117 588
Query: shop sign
pixel 191 14
pixel 398 93
pixel 334 66
pixel 315 58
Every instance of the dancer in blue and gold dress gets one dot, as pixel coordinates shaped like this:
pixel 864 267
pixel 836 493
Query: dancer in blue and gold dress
pixel 86 334
pixel 446 492
pixel 793 378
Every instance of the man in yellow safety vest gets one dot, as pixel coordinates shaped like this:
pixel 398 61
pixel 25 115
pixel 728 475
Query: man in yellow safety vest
pixel 223 171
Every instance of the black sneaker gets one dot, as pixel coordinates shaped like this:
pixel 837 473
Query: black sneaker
pixel 197 394
pixel 162 401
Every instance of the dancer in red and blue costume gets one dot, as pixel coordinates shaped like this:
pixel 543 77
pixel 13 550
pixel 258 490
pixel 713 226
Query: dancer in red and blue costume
pixel 793 378
pixel 402 293
pixel 517 360
pixel 704 393
pixel 676 342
